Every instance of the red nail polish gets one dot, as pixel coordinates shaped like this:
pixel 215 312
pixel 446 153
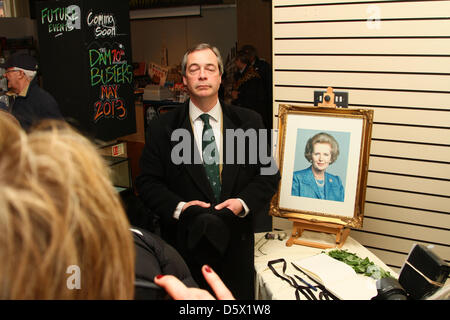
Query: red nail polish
pixel 208 269
pixel 159 276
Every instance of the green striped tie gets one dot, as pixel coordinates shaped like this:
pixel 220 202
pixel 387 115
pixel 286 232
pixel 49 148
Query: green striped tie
pixel 210 155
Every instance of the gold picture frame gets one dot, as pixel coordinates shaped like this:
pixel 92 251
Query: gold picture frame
pixel 352 130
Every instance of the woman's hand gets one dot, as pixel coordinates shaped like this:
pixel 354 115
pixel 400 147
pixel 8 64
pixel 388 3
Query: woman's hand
pixel 178 291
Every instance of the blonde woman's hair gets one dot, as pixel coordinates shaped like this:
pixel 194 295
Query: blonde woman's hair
pixel 58 209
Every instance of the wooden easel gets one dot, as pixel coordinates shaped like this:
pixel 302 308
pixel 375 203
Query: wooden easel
pixel 300 225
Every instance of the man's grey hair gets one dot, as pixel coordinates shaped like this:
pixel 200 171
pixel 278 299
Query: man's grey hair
pixel 28 73
pixel 202 46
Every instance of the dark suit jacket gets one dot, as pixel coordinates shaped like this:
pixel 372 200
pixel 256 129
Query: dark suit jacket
pixel 163 184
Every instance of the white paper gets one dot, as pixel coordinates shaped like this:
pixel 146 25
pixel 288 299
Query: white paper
pixel 338 277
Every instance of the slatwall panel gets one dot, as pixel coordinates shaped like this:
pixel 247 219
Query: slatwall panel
pixel 401 70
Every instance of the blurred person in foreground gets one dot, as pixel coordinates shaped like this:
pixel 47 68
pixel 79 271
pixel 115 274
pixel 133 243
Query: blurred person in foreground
pixel 264 69
pixel 60 217
pixel 63 231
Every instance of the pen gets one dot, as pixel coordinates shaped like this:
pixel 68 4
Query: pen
pixel 308 284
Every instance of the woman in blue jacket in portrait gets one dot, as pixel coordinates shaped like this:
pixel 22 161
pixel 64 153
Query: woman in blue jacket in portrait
pixel 314 182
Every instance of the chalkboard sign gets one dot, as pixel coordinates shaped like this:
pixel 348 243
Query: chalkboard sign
pixel 86 63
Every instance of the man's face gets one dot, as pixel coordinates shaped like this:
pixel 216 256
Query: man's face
pixel 202 74
pixel 13 77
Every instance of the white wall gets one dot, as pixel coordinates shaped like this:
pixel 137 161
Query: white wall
pixel 392 57
pixel 217 26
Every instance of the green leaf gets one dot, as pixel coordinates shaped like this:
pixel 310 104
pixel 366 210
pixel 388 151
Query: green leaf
pixel 364 266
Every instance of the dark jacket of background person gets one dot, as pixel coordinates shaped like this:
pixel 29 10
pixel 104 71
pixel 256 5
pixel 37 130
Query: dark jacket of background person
pixel 64 233
pixel 37 105
pixel 264 70
pixel 163 184
pixel 251 90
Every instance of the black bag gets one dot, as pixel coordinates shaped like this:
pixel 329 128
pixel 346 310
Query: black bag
pixel 155 257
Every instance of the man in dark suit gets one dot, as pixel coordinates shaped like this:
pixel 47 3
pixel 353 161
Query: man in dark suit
pixel 206 207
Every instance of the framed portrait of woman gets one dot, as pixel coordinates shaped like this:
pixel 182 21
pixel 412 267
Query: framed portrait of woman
pixel 323 156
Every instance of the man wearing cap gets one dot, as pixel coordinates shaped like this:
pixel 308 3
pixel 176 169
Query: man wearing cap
pixel 31 102
pixel 207 204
